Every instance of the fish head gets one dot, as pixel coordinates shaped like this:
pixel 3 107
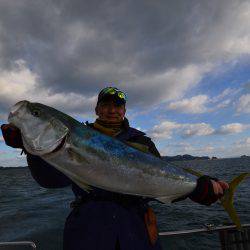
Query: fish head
pixel 42 131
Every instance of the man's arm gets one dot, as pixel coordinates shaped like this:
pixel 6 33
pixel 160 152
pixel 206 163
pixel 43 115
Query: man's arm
pixel 208 190
pixel 46 175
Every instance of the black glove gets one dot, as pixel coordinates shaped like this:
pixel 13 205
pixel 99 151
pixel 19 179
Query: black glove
pixel 12 136
pixel 204 191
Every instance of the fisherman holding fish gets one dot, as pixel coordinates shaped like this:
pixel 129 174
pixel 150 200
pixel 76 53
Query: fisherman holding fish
pixel 102 219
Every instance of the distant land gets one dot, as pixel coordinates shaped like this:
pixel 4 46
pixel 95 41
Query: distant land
pixel 185 157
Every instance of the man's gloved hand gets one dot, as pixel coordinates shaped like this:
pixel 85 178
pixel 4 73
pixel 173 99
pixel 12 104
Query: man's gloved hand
pixel 208 190
pixel 12 136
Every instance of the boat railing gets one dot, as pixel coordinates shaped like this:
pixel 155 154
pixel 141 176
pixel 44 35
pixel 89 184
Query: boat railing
pixel 230 237
pixel 27 244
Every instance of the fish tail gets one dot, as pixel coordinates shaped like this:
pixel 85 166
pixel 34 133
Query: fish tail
pixel 227 199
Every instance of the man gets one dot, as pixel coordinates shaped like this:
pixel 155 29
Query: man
pixel 103 220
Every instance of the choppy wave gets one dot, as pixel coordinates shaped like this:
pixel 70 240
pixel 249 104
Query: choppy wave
pixel 30 212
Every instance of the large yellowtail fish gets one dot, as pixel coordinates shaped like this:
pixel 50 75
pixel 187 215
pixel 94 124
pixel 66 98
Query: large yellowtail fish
pixel 90 158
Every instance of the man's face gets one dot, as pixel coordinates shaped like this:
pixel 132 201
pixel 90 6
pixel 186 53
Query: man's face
pixel 110 111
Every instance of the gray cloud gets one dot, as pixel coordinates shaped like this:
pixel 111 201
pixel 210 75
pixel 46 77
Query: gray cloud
pixel 247 87
pixel 194 105
pixel 243 105
pixel 166 129
pixel 203 104
pixel 77 46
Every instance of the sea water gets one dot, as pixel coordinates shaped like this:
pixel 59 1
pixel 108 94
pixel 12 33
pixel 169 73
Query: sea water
pixel 30 212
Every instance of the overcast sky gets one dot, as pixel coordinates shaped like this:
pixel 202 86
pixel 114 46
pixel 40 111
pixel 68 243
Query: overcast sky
pixel 183 64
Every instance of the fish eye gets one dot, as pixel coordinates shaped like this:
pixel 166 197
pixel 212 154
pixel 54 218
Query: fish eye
pixel 35 113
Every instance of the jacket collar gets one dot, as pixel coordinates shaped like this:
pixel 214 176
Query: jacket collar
pixel 127 132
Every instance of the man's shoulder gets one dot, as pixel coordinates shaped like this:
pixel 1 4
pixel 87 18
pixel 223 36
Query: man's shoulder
pixel 135 132
pixel 138 136
pixel 130 134
pixel 130 131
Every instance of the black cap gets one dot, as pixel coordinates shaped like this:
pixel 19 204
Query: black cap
pixel 112 93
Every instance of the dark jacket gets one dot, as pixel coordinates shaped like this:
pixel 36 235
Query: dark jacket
pixel 101 220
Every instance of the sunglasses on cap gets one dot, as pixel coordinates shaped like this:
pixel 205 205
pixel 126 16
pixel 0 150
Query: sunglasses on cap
pixel 112 91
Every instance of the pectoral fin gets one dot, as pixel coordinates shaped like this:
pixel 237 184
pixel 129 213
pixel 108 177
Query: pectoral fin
pixel 138 146
pixel 168 199
pixel 193 172
pixel 83 185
